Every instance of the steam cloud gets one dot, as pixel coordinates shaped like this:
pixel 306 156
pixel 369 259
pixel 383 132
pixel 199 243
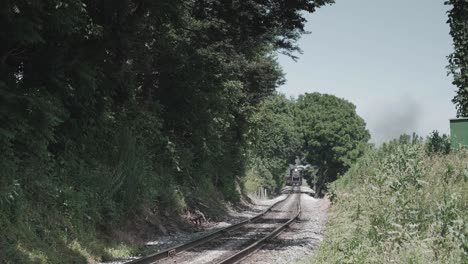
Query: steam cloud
pixel 390 119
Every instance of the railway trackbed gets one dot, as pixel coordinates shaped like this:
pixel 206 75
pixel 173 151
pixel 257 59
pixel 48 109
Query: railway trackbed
pixel 259 243
pixel 235 242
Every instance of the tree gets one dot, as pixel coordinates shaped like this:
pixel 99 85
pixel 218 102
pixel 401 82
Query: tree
pixel 458 60
pixel 274 140
pixel 438 144
pixel 334 135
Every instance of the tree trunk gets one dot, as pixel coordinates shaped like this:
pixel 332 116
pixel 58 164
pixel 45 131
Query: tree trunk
pixel 321 180
pixel 318 190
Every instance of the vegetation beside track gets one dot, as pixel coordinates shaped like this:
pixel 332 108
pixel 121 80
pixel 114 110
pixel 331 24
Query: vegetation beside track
pixel 401 203
pixel 117 112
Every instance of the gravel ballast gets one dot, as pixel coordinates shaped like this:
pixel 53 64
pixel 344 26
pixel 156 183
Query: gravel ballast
pixel 229 244
pixel 300 239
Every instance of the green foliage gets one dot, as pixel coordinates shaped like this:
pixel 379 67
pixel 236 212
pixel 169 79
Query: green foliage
pixel 274 142
pixel 109 108
pixel 334 135
pixel 398 204
pixel 437 143
pixel 323 128
pixel 458 60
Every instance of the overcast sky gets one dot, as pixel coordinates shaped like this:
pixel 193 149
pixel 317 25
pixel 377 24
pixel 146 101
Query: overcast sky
pixel 386 57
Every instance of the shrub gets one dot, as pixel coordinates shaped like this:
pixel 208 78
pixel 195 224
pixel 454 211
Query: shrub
pixel 437 143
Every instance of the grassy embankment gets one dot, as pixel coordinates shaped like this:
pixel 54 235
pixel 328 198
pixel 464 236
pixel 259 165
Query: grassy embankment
pixel 94 209
pixel 399 204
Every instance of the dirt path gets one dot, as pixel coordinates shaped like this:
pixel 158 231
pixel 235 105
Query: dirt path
pixel 300 240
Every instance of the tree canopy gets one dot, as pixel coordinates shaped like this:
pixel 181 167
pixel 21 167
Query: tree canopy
pixel 334 135
pixel 458 60
pixel 322 130
pixel 274 141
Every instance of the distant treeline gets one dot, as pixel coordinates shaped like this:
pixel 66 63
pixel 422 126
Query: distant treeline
pixel 322 130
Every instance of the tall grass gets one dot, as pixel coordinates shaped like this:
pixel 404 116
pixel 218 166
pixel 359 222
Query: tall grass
pixel 399 204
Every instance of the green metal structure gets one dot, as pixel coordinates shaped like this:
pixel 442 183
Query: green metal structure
pixel 459 132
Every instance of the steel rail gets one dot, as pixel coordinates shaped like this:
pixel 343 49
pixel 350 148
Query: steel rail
pixel 170 252
pixel 261 242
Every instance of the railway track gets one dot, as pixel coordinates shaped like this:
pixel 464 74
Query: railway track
pixel 259 243
pixel 243 238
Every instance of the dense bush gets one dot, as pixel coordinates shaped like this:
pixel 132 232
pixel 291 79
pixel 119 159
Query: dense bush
pixel 398 204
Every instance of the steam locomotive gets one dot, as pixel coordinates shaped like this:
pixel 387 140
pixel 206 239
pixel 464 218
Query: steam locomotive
pixel 294 178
